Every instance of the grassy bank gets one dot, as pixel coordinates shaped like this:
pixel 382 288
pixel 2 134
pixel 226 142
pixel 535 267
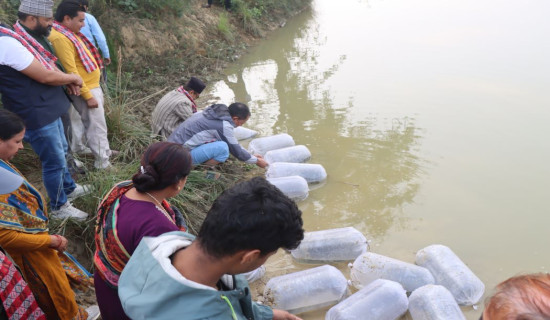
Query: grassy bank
pixel 155 45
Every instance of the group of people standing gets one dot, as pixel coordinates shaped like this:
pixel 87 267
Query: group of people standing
pixel 48 70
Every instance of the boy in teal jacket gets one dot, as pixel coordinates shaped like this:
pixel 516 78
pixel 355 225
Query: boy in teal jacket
pixel 175 276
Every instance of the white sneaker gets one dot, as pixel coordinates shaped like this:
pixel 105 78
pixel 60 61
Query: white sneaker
pixel 93 312
pixel 68 211
pixel 78 163
pixel 79 191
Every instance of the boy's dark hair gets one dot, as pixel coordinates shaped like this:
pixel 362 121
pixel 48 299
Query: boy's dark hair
pixel 251 215
pixel 10 124
pixel 239 110
pixel 68 8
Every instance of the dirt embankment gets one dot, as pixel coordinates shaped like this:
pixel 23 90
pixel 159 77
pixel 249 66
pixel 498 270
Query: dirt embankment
pixel 158 54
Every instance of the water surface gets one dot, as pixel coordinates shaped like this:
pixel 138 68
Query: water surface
pixel 430 117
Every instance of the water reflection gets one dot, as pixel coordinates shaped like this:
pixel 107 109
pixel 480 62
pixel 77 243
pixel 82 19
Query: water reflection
pixel 372 162
pixel 429 117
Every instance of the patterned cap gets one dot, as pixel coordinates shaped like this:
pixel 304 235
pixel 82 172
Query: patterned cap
pixel 40 8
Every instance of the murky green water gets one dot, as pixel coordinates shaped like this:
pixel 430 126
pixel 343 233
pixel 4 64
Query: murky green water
pixel 431 118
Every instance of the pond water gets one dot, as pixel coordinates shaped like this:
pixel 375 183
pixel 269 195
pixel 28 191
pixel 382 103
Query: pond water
pixel 431 118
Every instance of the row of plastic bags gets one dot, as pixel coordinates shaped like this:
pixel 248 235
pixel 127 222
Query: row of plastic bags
pixel 286 170
pixel 438 282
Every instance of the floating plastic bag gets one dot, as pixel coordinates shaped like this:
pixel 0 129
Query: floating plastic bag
pixel 313 173
pixel 306 290
pixel 255 274
pixel 295 154
pixel 380 300
pixel 294 187
pixel 242 133
pixel 262 145
pixel 371 266
pixel 434 302
pixel 341 244
pixel 450 272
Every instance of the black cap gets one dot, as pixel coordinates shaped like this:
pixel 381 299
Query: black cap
pixel 195 84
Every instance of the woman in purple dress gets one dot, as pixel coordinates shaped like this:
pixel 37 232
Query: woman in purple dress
pixel 133 210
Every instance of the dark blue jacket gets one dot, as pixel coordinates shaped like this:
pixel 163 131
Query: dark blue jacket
pixel 37 104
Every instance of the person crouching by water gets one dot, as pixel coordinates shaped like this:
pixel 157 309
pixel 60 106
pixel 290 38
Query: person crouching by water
pixel 175 276
pixel 24 234
pixel 135 209
pixel 209 135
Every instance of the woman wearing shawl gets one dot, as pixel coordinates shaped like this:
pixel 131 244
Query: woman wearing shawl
pixel 133 210
pixel 17 301
pixel 24 233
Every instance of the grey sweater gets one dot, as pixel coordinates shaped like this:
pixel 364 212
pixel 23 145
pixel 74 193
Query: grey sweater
pixel 171 110
pixel 213 124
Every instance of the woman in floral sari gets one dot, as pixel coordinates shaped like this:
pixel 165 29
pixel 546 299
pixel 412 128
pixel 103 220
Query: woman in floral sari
pixel 133 210
pixel 24 233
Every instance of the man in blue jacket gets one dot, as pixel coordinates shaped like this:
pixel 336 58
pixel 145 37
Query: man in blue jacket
pixel 209 135
pixel 175 276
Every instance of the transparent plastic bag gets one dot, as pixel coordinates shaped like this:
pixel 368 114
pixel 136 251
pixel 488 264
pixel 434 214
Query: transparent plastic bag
pixel 434 302
pixel 306 290
pixel 255 274
pixel 313 173
pixel 294 187
pixel 340 244
pixel 450 272
pixel 262 145
pixel 371 266
pixel 380 300
pixel 294 154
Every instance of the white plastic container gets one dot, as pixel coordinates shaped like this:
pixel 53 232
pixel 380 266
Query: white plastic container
pixel 255 274
pixel 371 266
pixel 306 290
pixel 450 272
pixel 434 302
pixel 294 154
pixel 294 187
pixel 341 244
pixel 380 300
pixel 313 173
pixel 242 133
pixel 262 145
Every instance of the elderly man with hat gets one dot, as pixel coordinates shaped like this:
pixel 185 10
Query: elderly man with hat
pixel 31 86
pixel 176 106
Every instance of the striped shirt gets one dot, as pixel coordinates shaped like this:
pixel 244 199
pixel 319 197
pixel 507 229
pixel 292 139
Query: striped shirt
pixel 170 111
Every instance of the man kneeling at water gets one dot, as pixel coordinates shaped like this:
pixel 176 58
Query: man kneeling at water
pixel 175 276
pixel 209 135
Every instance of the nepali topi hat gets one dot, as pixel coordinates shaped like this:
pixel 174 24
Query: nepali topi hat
pixel 40 8
pixel 196 85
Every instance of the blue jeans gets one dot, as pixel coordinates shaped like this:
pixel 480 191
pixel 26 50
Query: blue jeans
pixel 218 151
pixel 51 146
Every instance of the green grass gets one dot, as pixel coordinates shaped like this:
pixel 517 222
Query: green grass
pixel 224 27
